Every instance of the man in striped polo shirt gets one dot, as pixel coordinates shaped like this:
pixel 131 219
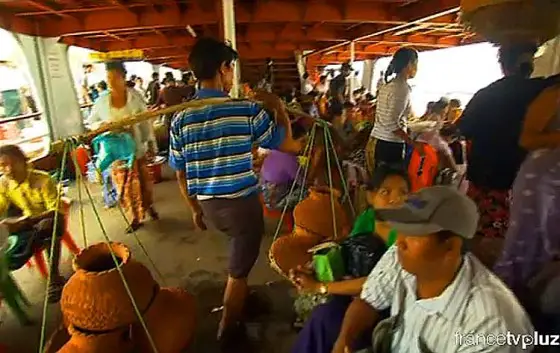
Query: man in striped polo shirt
pixel 442 299
pixel 210 150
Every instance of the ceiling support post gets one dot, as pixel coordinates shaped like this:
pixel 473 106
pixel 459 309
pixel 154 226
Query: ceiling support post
pixel 352 74
pixel 229 36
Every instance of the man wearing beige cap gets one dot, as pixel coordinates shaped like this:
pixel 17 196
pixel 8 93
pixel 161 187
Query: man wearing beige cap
pixel 442 299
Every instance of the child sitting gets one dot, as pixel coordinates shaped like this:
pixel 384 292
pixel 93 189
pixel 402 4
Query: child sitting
pixel 278 173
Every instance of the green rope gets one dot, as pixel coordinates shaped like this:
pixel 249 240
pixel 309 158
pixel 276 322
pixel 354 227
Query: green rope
pixel 80 198
pixel 135 236
pixel 344 186
pixel 292 188
pixel 119 269
pixel 54 239
pixel 307 155
pixel 331 186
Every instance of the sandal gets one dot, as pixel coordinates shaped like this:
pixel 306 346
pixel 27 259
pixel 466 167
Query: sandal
pixel 133 227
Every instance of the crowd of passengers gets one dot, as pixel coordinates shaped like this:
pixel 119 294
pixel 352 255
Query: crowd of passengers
pixel 453 271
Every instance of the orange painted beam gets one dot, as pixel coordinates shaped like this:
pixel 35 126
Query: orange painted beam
pixel 270 11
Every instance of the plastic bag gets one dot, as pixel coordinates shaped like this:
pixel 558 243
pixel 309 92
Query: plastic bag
pixel 328 263
pixel 111 147
pixel 361 253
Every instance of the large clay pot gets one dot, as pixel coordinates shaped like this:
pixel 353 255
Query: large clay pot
pixel 171 322
pixel 290 251
pixel 117 341
pixel 512 21
pixel 315 215
pixel 95 298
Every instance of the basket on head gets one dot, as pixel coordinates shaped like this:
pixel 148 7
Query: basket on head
pixel 512 21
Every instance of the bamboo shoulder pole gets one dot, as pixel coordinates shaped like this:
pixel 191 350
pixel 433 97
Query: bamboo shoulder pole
pixel 57 146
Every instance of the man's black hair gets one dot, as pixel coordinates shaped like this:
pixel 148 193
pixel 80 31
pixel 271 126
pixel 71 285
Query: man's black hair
pixel 510 55
pixel 155 76
pixel 116 66
pixel 102 85
pixel 445 235
pixel 208 55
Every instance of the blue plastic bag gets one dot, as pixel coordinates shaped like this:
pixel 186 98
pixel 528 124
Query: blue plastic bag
pixel 111 147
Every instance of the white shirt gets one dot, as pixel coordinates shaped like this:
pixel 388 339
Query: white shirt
pixel 392 110
pixel 10 78
pixel 102 111
pixel 307 87
pixel 476 304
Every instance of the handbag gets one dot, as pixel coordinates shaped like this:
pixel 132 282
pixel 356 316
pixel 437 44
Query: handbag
pixel 382 336
pixel 328 262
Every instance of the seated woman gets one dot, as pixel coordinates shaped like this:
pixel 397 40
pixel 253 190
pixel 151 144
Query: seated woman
pixel 34 194
pixel 278 173
pixel 388 188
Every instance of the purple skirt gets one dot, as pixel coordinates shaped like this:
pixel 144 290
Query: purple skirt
pixel 321 330
pixel 533 236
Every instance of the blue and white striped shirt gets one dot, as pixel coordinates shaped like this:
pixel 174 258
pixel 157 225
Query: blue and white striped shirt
pixel 212 144
pixel 472 315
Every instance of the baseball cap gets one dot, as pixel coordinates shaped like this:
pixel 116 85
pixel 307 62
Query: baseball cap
pixel 432 210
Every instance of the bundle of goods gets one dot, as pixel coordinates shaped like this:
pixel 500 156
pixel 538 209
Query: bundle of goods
pixel 512 21
pixel 99 316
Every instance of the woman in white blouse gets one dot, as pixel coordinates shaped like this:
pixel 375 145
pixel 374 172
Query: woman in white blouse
pixel 135 184
pixel 389 135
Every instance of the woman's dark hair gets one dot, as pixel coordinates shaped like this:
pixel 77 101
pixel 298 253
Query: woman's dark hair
pixel 401 59
pixel 208 55
pixel 13 151
pixel 102 85
pixel 381 173
pixel 455 103
pixel 117 66
pixel 509 57
pixel 440 105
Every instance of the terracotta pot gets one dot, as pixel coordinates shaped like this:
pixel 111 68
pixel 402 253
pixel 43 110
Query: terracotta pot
pixel 95 298
pixel 171 322
pixel 57 340
pixel 289 251
pixel 314 214
pixel 117 341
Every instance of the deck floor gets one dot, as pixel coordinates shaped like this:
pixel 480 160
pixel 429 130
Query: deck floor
pixel 185 257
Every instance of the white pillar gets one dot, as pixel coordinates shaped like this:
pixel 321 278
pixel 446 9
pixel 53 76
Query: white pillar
pixel 54 84
pixel 367 77
pixel 302 69
pixel 229 35
pixel 352 75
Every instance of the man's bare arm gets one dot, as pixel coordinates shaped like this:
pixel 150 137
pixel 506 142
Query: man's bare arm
pixel 359 317
pixel 191 201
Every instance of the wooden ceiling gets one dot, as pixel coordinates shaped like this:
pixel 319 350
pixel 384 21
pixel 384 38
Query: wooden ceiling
pixel 166 29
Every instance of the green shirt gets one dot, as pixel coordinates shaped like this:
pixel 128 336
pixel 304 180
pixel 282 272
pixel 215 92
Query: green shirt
pixel 365 223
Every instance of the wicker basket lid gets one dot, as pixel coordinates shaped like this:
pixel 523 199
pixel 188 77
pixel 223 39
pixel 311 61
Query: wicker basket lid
pixel 512 21
pixel 289 251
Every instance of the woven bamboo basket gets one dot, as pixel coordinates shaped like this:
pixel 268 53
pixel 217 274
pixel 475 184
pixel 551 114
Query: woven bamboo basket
pixel 512 21
pixel 290 251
